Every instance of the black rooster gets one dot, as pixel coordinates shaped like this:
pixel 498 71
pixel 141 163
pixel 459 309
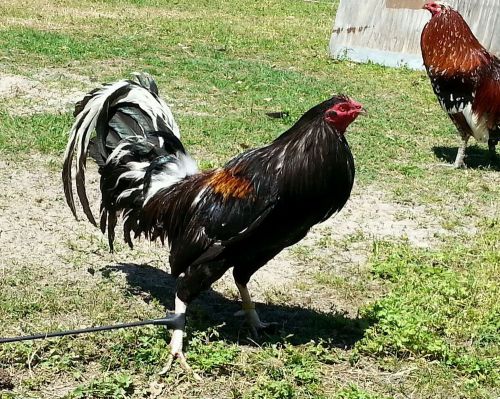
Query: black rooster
pixel 241 215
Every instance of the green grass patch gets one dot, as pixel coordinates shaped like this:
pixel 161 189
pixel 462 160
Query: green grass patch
pixel 113 385
pixel 443 305
pixel 354 392
pixel 45 133
pixel 287 372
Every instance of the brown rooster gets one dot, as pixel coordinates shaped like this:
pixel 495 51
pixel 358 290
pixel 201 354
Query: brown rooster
pixel 240 215
pixel 464 76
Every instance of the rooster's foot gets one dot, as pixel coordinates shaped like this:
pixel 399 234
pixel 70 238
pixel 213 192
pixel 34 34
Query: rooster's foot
pixel 176 353
pixel 256 325
pixel 262 326
pixel 248 310
pixel 460 160
pixel 446 165
pixel 254 322
pixel 460 164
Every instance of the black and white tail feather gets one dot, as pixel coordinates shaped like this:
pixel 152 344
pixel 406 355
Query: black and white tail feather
pixel 136 146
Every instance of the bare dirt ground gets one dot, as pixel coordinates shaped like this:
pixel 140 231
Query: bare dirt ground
pixel 39 93
pixel 35 220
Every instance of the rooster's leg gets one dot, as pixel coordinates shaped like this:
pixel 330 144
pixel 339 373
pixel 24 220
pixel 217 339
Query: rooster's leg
pixel 190 283
pixel 176 342
pixel 491 147
pixel 459 160
pixel 251 314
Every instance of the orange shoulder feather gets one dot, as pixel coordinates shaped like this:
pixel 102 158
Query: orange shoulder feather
pixel 227 183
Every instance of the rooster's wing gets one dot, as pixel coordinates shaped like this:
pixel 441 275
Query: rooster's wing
pixel 220 208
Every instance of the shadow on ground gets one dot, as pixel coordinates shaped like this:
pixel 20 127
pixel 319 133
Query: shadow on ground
pixel 299 325
pixel 475 157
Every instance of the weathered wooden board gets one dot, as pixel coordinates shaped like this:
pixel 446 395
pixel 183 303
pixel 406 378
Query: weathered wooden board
pixel 388 32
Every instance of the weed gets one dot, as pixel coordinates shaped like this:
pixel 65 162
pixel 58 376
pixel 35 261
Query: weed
pixel 211 355
pixel 354 392
pixel 116 385
pixel 441 303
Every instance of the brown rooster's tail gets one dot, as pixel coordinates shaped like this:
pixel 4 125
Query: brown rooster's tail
pixel 487 100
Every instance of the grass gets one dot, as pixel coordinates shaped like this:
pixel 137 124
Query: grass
pixel 443 307
pixel 40 132
pixel 403 321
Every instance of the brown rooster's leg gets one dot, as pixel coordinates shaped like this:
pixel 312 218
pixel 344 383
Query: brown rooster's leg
pixel 251 315
pixel 459 160
pixel 491 147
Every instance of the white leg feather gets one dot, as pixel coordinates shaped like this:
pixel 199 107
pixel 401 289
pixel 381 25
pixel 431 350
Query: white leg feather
pixel 460 159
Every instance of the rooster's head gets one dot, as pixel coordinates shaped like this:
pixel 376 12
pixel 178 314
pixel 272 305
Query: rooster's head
pixel 342 112
pixel 436 7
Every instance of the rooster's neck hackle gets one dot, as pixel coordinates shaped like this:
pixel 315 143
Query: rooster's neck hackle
pixel 449 47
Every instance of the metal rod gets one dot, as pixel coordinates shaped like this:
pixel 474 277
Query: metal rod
pixel 172 321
